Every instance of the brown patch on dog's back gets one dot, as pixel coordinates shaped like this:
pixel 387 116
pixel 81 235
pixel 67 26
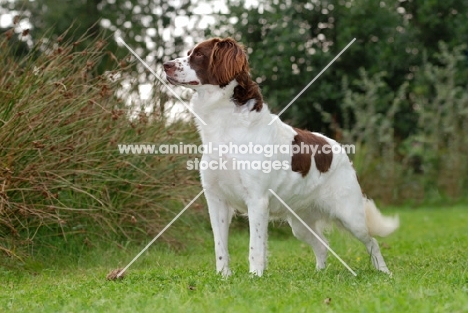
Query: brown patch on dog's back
pixel 301 162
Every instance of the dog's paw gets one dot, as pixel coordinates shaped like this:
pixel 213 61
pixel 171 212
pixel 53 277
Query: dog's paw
pixel 256 273
pixel 225 272
pixel 386 271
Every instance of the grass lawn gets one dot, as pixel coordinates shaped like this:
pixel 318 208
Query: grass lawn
pixel 427 255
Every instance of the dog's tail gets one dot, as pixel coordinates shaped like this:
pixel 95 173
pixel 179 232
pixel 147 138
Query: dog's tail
pixel 378 224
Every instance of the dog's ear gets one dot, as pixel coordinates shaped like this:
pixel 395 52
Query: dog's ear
pixel 227 61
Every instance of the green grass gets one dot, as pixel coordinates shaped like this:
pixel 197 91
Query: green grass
pixel 428 257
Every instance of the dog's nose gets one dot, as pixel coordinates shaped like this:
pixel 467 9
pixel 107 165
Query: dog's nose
pixel 169 65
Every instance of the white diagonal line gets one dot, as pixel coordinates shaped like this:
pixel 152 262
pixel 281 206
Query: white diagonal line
pixel 312 81
pixel 313 233
pixel 158 235
pixel 160 79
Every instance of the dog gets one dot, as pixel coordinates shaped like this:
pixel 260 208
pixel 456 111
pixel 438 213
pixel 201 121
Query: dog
pixel 320 187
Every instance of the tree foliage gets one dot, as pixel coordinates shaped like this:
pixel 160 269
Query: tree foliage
pixel 150 27
pixel 290 42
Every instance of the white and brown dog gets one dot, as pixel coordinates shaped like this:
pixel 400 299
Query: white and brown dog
pixel 319 187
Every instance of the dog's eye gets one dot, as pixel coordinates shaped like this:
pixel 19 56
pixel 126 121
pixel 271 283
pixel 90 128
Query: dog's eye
pixel 198 54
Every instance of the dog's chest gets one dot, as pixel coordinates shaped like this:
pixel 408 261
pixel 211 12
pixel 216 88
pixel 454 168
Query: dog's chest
pixel 237 168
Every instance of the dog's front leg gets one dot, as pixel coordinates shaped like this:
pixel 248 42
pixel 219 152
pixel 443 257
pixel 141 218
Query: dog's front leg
pixel 258 226
pixel 220 217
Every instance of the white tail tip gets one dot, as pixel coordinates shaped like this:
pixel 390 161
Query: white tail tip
pixel 378 224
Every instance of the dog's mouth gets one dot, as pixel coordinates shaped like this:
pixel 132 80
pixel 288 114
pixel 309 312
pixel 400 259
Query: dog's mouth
pixel 176 82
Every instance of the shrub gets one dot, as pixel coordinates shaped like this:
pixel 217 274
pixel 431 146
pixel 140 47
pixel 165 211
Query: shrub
pixel 432 161
pixel 440 98
pixel 60 169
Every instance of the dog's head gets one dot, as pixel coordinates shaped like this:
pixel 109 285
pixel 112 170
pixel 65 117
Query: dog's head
pixel 215 62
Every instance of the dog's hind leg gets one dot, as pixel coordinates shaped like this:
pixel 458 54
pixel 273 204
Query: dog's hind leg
pixel 302 233
pixel 351 215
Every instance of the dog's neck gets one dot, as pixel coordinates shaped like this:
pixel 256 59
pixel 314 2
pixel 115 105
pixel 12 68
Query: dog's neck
pixel 228 122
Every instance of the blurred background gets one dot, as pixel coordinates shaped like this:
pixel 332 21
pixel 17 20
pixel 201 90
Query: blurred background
pixel 69 94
